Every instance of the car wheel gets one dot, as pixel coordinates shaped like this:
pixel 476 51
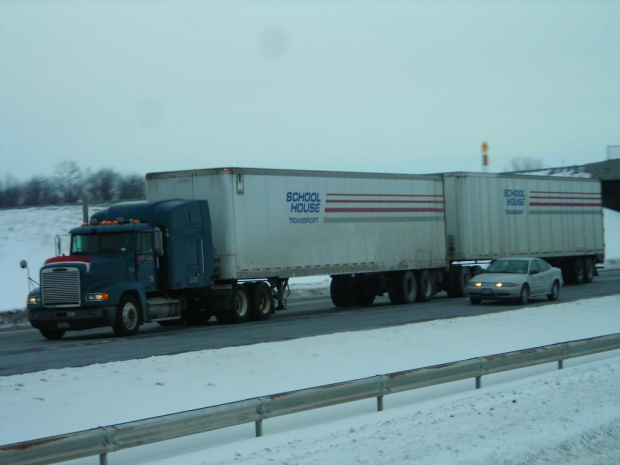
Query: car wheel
pixel 52 334
pixel 524 295
pixel 555 291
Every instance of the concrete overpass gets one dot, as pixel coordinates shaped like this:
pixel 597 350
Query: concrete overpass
pixel 607 171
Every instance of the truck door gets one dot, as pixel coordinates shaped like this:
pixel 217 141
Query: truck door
pixel 146 272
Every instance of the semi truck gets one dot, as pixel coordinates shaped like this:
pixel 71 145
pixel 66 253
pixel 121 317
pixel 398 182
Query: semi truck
pixel 224 243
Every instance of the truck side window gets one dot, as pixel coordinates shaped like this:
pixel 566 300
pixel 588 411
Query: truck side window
pixel 145 242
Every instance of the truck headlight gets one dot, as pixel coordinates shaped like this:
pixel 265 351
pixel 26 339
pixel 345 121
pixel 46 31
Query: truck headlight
pixel 97 297
pixel 32 300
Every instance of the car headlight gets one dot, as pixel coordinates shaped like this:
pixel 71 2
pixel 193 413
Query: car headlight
pixel 505 285
pixel 97 297
pixel 474 284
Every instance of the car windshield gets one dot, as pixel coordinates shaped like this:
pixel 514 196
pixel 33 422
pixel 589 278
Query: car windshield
pixel 83 244
pixel 508 266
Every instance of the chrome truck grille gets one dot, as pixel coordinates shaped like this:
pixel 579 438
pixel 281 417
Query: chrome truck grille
pixel 61 286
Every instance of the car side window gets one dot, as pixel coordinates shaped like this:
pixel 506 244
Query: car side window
pixel 534 266
pixel 543 265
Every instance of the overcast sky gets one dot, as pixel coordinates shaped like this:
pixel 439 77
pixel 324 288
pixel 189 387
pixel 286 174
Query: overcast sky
pixel 408 86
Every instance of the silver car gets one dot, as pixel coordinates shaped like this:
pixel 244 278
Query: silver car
pixel 516 279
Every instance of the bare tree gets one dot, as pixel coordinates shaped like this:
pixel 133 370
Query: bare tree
pixel 102 185
pixel 69 181
pixel 131 188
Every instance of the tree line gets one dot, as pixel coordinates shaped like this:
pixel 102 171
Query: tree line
pixel 65 186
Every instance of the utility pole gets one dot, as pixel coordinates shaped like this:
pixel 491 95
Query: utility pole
pixel 485 156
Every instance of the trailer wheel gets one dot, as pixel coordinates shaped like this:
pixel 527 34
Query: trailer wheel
pixel 262 302
pixel 239 309
pixel 588 270
pixel 127 317
pixel 52 334
pixel 460 276
pixel 365 296
pixel 426 288
pixel 340 291
pixel 406 287
pixel 577 268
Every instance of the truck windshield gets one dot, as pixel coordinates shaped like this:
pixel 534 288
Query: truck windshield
pixel 82 244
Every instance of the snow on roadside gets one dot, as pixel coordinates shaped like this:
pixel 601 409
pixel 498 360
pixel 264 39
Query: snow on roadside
pixel 554 409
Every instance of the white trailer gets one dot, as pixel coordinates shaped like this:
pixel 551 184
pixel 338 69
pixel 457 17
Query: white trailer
pixel 559 219
pixel 404 235
pixel 373 233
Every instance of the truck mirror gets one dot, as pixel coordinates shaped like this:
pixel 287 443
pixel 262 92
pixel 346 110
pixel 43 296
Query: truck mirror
pixel 158 243
pixel 58 246
pixel 23 264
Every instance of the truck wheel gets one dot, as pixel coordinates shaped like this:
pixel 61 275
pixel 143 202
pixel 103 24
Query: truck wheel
pixel 262 302
pixel 365 296
pixel 577 271
pixel 239 309
pixel 524 295
pixel 340 291
pixel 426 289
pixel 555 291
pixel 127 317
pixel 406 287
pixel 588 270
pixel 52 334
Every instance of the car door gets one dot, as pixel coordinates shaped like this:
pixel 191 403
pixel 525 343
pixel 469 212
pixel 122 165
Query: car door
pixel 536 278
pixel 546 276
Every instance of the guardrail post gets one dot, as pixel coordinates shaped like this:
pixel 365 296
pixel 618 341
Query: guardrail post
pixel 478 382
pixel 379 403
pixel 259 428
pixel 103 459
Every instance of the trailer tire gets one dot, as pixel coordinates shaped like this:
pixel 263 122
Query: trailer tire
pixel 577 268
pixel 460 278
pixel 262 302
pixel 406 287
pixel 52 334
pixel 588 270
pixel 476 270
pixel 365 296
pixel 127 316
pixel 239 308
pixel 340 291
pixel 426 289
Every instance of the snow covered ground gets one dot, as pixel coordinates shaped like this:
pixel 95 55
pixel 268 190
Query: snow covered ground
pixel 533 416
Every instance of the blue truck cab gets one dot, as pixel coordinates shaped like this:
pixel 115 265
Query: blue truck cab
pixel 133 263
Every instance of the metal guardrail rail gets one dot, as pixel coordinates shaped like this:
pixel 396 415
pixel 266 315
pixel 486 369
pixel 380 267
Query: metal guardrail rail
pixel 103 440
